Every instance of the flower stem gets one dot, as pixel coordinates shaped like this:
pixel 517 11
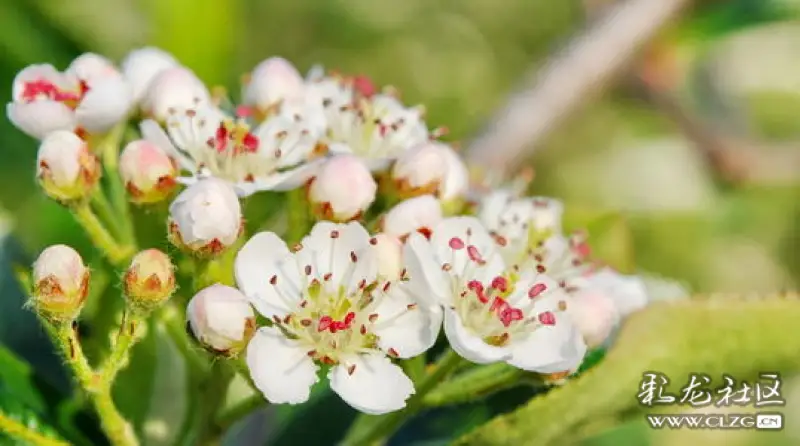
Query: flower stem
pixel 126 336
pixel 243 408
pixel 118 430
pixel 18 430
pixel 474 383
pixel 369 433
pixel 110 148
pixel 298 215
pixel 105 212
pixel 212 396
pixel 175 327
pixel 116 254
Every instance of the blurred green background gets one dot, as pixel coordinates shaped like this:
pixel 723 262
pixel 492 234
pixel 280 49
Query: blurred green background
pixel 733 64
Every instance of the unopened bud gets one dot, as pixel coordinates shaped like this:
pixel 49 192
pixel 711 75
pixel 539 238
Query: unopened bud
pixel 420 170
pixel 271 82
pixel 221 318
pixel 91 67
pixel 174 90
pixel 67 170
pixel 60 283
pixel 142 65
pixel 595 315
pixel 149 174
pixel 418 214
pixel 206 218
pixel 389 252
pixel 342 189
pixel 150 280
pixel 456 179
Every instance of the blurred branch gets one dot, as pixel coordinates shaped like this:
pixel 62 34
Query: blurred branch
pixel 549 95
pixel 735 159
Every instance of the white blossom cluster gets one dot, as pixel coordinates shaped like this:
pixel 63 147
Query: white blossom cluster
pixel 503 283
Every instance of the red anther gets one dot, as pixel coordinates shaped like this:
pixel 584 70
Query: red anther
pixel 547 318
pixel 499 304
pixel 364 86
pixel 425 231
pixel 500 284
pixel 325 322
pixel 244 111
pixel 456 243
pixel 475 255
pixel 536 290
pixel 221 138
pixel 250 143
pixel 510 315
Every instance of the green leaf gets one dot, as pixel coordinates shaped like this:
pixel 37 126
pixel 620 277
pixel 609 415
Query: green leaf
pixel 734 336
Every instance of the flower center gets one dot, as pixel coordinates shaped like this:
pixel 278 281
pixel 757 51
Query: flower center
pixel 233 138
pixel 44 89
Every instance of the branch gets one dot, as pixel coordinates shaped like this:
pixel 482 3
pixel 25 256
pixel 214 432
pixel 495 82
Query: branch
pixel 549 95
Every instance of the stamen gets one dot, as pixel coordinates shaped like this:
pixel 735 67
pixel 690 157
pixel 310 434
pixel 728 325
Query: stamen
pixel 457 244
pixel 537 290
pixel 547 318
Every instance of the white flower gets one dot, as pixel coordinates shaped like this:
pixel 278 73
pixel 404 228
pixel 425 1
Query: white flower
pixel 174 91
pixel 90 97
pixel 329 307
pixel 66 168
pixel 334 94
pixel 271 82
pixel 221 318
pixel 418 214
pixel 378 130
pixel 273 156
pixel 149 174
pixel 492 314
pixel 60 283
pixel 342 189
pixel 142 65
pixel 628 292
pixel 519 224
pixel 206 218
pixel 456 179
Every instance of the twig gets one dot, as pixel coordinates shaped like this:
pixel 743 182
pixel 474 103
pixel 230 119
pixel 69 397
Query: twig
pixel 18 430
pixel 547 96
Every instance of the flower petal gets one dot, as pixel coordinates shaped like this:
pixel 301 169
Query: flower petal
pixel 280 367
pixel 468 345
pixel 550 348
pixel 471 233
pixel 339 255
pixel 403 325
pixel 264 257
pixel 425 274
pixel 107 103
pixel 39 118
pixel 376 386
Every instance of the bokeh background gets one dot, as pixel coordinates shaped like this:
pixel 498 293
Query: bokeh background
pixel 731 69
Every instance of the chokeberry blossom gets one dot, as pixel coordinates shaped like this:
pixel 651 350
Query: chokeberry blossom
pixel 221 319
pixel 149 174
pixel 172 91
pixel 66 169
pixel 342 189
pixel 492 313
pixel 271 83
pixel 418 214
pixel 275 155
pixel 91 96
pixel 143 65
pixel 329 306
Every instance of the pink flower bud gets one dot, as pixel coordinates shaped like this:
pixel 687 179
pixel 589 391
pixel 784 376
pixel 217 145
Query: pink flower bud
pixel 420 170
pixel 595 315
pixel 206 218
pixel 149 174
pixel 150 280
pixel 418 214
pixel 67 170
pixel 272 81
pixel 174 90
pixel 389 252
pixel 142 65
pixel 60 283
pixel 342 189
pixel 221 318
pixel 91 67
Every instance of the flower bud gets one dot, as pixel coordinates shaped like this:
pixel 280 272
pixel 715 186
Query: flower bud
pixel 389 252
pixel 420 170
pixel 60 283
pixel 150 280
pixel 221 318
pixel 418 214
pixel 547 214
pixel 174 90
pixel 206 218
pixel 149 174
pixel 91 67
pixel 595 315
pixel 272 81
pixel 456 180
pixel 142 65
pixel 342 189
pixel 67 170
